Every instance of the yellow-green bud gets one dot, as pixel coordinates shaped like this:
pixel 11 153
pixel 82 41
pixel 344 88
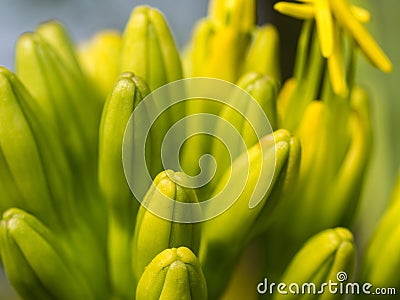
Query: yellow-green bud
pixel 149 49
pixel 153 234
pixel 173 274
pixel 328 257
pixel 36 261
pixel 126 95
pixel 381 263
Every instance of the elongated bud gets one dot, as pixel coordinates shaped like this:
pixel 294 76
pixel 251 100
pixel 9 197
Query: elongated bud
pixel 239 218
pixel 227 47
pixel 233 229
pixel 70 111
pixel 154 234
pixel 280 200
pixel 343 202
pixel 99 58
pixel 264 90
pixel 149 49
pixel 284 98
pixel 198 49
pixel 218 45
pixel 56 35
pixel 48 67
pixel 25 242
pixel 173 274
pixel 150 52
pixel 33 167
pixel 310 130
pixel 263 54
pixel 381 262
pixel 57 90
pixel 329 256
pixel 126 95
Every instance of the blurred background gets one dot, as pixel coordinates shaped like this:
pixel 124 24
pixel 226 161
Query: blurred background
pixel 84 17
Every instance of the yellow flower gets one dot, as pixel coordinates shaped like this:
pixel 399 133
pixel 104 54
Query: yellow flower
pixel 331 16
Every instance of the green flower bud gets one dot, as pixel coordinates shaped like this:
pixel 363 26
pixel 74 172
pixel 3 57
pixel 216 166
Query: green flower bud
pixel 37 177
pixel 173 274
pixel 34 171
pixel 225 236
pixel 336 145
pixel 128 92
pixel 154 234
pixel 36 262
pixel 99 58
pixel 149 49
pixel 122 207
pixel 381 263
pixel 324 258
pixel 47 66
pixel 264 90
pixel 56 35
pixel 263 54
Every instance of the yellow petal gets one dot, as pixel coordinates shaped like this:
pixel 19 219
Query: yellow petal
pixel 342 12
pixel 323 19
pixel 361 14
pixel 295 10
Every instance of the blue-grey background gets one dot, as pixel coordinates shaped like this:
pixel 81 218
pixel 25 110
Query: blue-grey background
pixel 84 17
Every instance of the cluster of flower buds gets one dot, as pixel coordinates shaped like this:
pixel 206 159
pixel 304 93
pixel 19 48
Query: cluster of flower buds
pixel 73 224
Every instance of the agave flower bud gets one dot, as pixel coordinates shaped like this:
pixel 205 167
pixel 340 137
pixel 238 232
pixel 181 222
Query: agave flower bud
pixel 173 274
pixel 264 90
pixel 99 58
pixel 234 228
pixel 381 262
pixel 126 95
pixel 55 34
pixel 57 89
pixel 48 67
pixel 343 201
pixel 148 48
pixel 214 51
pixel 24 244
pixel 226 50
pixel 327 258
pixel 153 233
pixel 197 50
pixel 41 70
pixel 220 41
pixel 34 171
pixel 279 200
pixel 149 51
pixel 69 109
pixel 263 53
